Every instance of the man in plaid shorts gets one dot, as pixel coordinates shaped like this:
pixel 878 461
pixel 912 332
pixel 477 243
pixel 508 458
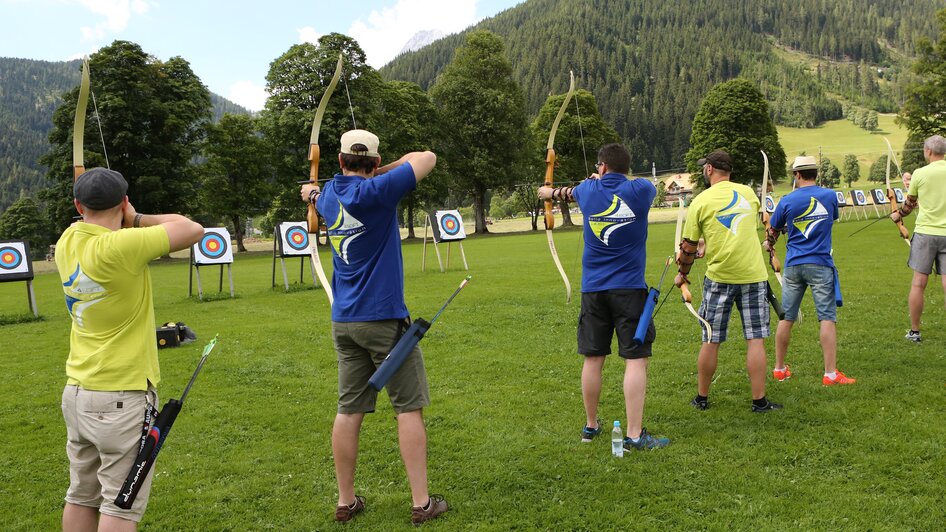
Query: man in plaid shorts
pixel 724 215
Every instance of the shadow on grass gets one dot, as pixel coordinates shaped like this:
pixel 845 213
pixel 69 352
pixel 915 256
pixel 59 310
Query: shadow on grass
pixel 13 319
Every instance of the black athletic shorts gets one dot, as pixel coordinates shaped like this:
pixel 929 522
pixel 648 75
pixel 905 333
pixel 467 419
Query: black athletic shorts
pixel 603 313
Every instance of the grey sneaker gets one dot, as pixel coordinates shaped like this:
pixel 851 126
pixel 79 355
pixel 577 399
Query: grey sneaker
pixel 645 441
pixel 436 506
pixel 767 407
pixel 588 433
pixel 914 337
pixel 699 404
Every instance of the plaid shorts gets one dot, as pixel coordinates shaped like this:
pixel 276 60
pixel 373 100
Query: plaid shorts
pixel 751 301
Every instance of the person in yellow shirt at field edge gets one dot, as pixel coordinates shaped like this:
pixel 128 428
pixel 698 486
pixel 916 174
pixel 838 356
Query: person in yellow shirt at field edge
pixel 112 367
pixel 927 189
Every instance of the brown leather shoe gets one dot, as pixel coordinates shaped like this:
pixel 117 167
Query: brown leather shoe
pixel 435 507
pixel 345 513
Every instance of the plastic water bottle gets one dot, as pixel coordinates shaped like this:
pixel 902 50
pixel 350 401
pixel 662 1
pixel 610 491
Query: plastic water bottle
pixel 617 440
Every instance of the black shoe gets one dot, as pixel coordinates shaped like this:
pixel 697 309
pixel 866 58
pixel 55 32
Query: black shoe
pixel 588 433
pixel 699 404
pixel 767 407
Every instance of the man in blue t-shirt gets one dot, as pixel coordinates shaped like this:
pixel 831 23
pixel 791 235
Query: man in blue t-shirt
pixel 807 215
pixel 613 289
pixel 369 313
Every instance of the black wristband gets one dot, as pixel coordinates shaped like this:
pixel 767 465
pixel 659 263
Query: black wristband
pixel 137 222
pixel 313 196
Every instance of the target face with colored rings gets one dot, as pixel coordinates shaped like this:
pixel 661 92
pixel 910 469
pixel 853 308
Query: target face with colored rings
pixel 213 245
pixel 449 224
pixel 297 238
pixel 10 258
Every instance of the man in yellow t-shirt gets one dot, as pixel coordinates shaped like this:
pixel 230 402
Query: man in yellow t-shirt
pixel 928 245
pixel 724 215
pixel 112 368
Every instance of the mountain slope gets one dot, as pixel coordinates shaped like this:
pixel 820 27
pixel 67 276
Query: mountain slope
pixel 650 63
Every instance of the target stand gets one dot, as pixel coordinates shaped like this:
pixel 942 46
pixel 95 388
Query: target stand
pixel 15 265
pixel 212 249
pixel 445 226
pixel 291 239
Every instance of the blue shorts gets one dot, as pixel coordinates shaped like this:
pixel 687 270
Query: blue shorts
pixel 750 299
pixel 820 279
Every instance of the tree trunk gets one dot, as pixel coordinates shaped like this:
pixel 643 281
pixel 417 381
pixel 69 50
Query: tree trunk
pixel 410 216
pixel 535 214
pixel 566 215
pixel 479 211
pixel 238 232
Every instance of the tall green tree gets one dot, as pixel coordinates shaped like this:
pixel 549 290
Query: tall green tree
pixel 878 170
pixel 408 122
pixel 482 110
pixel 236 176
pixel 924 111
pixel 852 169
pixel 296 81
pixel 23 221
pixel 734 117
pixel 153 115
pixel 830 175
pixel 912 156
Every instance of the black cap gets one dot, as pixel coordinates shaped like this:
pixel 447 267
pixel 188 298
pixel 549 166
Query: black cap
pixel 100 188
pixel 718 159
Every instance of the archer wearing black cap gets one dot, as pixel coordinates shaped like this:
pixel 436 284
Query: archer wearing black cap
pixel 724 215
pixel 113 360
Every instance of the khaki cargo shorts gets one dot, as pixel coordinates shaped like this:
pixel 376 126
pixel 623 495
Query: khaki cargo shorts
pixel 103 432
pixel 361 347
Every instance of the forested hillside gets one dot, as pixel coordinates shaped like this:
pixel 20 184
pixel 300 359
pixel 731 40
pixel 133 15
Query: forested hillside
pixel 30 91
pixel 650 63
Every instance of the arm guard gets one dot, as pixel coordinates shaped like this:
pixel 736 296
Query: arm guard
pixel 908 205
pixel 686 256
pixel 771 235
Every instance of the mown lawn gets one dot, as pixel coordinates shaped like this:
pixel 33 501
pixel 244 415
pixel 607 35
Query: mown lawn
pixel 251 449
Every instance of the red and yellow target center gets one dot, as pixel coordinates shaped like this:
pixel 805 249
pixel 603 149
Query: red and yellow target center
pixel 213 245
pixel 297 238
pixel 8 258
pixel 450 224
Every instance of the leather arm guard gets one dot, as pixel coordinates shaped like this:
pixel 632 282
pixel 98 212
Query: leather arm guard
pixel 686 256
pixel 908 205
pixel 771 235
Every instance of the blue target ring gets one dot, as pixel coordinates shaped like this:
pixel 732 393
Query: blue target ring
pixel 769 204
pixel 450 225
pixel 860 196
pixel 10 258
pixel 297 238
pixel 213 245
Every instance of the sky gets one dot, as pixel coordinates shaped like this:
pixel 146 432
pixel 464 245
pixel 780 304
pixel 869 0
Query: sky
pixel 229 45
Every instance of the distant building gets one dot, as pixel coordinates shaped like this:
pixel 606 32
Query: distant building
pixel 678 185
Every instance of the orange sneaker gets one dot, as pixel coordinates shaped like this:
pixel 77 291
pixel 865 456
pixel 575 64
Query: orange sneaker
pixel 781 374
pixel 840 378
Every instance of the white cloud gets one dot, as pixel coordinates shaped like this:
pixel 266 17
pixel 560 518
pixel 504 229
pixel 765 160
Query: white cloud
pixel 248 94
pixel 117 13
pixel 385 32
pixel 308 34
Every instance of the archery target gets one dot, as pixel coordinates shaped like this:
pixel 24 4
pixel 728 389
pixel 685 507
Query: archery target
pixel 450 225
pixel 293 239
pixel 842 201
pixel 879 196
pixel 898 193
pixel 859 198
pixel 15 262
pixel 769 204
pixel 214 247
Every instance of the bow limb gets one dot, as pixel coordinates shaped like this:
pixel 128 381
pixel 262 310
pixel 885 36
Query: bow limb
pixel 312 216
pixel 685 287
pixel 764 216
pixel 892 196
pixel 550 159
pixel 78 125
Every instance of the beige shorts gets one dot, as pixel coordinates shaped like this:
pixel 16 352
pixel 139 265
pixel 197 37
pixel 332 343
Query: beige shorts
pixel 103 432
pixel 361 347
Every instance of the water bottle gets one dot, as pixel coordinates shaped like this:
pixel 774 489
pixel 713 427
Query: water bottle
pixel 617 440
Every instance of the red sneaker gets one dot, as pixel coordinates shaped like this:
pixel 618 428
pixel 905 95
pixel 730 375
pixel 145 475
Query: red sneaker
pixel 840 378
pixel 781 374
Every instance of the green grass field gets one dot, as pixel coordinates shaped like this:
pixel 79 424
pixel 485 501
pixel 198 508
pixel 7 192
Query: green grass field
pixel 251 449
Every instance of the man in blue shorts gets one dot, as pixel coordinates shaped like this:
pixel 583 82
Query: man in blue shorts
pixel 369 313
pixel 724 215
pixel 807 215
pixel 613 289
pixel 927 188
